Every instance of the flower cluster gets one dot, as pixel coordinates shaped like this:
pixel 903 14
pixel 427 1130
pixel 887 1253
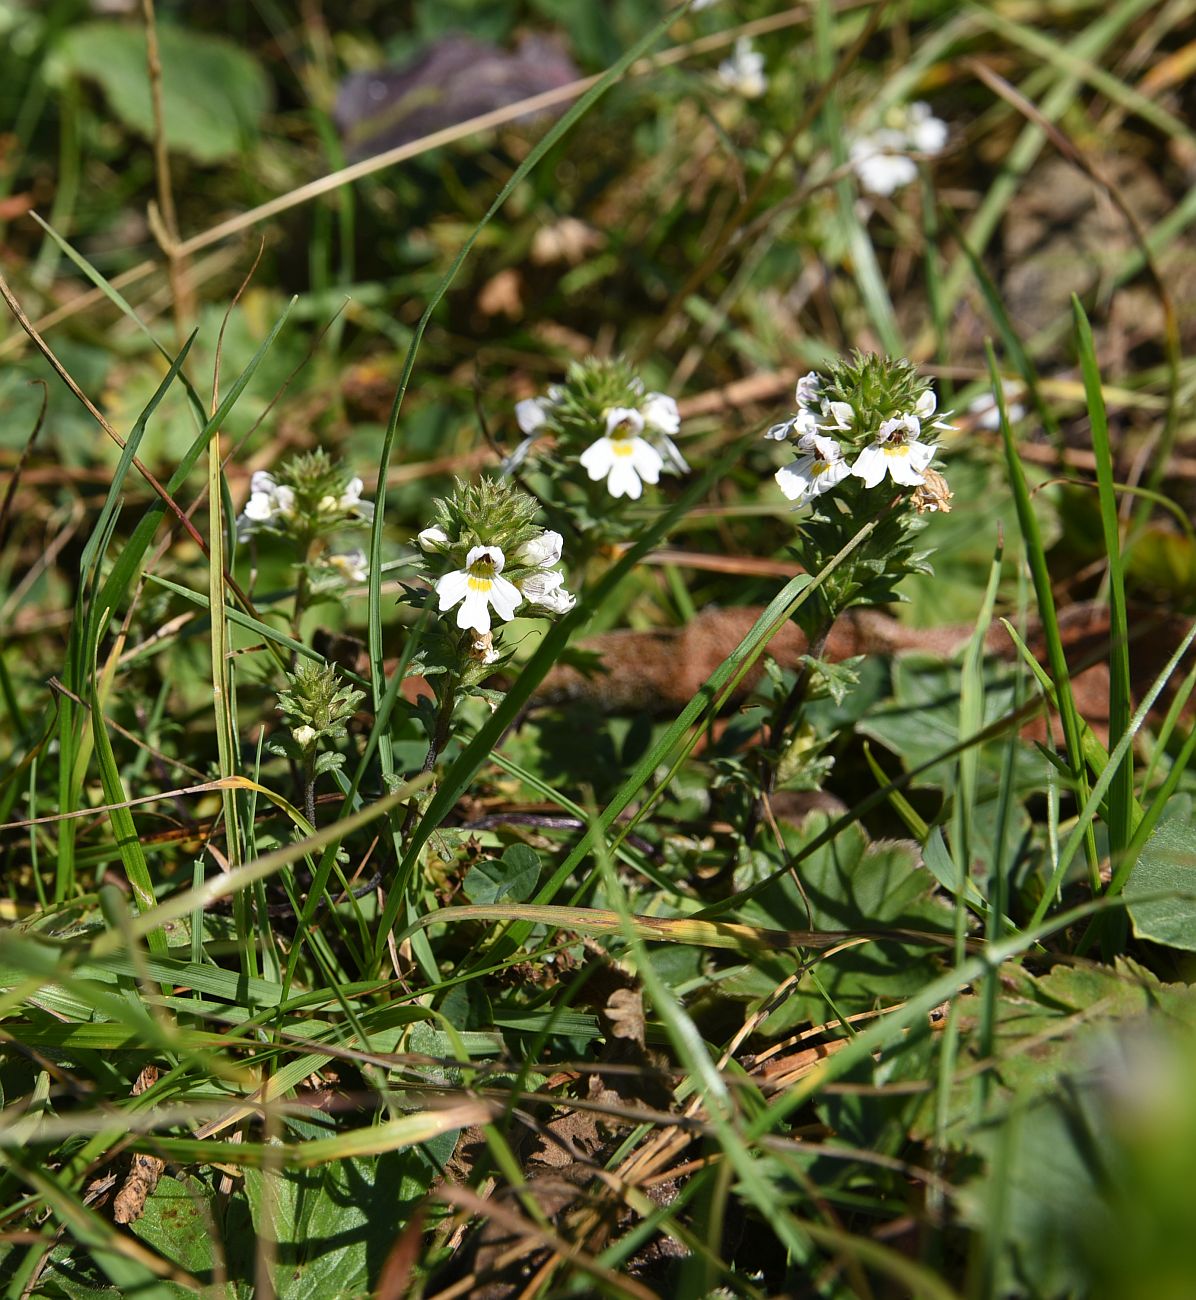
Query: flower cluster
pixel 881 160
pixel 317 705
pixel 500 560
pixel 601 423
pixel 311 496
pixel 744 72
pixel 870 418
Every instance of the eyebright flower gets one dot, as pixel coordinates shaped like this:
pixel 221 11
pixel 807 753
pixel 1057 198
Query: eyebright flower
pixel 743 72
pixel 477 587
pixel 986 413
pixel 309 497
pixel 499 558
pixel 350 565
pixel 817 472
pixel 602 422
pixel 868 419
pixel 880 160
pixel 267 502
pixel 622 457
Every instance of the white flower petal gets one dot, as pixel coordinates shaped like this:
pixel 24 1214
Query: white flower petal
pixel 432 540
pixel 505 597
pixel 660 412
pixel 672 454
pixel 518 456
pixel 475 608
pixel 529 414
pixel 597 459
pixel 779 432
pixel 452 588
pixel 262 481
pixel 259 507
pixel 807 388
pixel 870 465
pixel 543 551
pixel 793 479
pixel 925 405
pixel 623 480
pixel 647 461
pixel 842 412
pixel 921 454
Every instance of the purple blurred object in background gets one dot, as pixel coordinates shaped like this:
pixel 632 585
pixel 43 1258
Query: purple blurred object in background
pixel 452 80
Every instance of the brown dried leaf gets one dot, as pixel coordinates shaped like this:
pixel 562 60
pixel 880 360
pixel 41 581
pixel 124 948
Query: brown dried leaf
pixel 624 1012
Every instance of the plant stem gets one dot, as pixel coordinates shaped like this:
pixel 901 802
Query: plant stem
pixel 784 716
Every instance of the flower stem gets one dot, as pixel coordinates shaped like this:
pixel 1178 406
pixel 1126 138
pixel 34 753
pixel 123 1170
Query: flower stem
pixel 789 710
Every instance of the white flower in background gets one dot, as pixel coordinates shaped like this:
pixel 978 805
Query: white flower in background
pixel 896 452
pixel 351 502
pixel 743 72
pixel 353 566
pixel 270 503
pixel 662 418
pixel 531 415
pixel 815 473
pixel 660 413
pixel 623 457
pixel 881 160
pixel 478 587
pixel 880 164
pixel 432 540
pixel 927 133
pixel 986 413
pixel 304 735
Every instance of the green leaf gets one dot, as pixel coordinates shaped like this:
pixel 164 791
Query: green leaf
pixel 849 884
pixel 213 92
pixel 513 877
pixel 1167 866
pixel 176 1223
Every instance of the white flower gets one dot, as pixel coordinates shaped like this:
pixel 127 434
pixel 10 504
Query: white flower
pixel 814 473
pixel 779 432
pixel 807 388
pixel 660 413
pixel 879 162
pixel 622 457
pixel 351 565
pixel 894 453
pixel 267 503
pixel 840 415
pixel 432 540
pixel 477 587
pixel 743 72
pixel 530 414
pixel 927 133
pixel 304 736
pixel 986 412
pixel 544 551
pixel 352 504
pixel 548 592
pixel 925 407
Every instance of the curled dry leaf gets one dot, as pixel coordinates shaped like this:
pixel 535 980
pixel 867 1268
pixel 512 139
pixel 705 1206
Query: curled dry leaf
pixel 146 1170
